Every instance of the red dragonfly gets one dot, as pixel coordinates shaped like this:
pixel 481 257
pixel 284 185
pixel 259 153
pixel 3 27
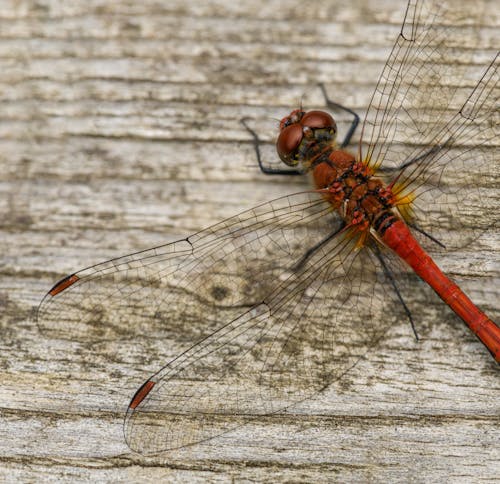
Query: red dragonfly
pixel 296 290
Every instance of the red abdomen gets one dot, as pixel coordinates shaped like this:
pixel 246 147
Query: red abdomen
pixel 401 241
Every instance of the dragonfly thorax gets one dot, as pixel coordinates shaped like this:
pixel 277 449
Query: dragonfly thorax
pixel 304 136
pixel 350 187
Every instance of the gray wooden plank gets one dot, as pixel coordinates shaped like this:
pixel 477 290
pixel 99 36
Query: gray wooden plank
pixel 119 131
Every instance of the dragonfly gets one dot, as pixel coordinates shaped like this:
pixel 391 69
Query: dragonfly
pixel 295 291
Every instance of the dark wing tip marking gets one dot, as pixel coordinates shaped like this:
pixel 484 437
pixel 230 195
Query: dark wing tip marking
pixel 141 394
pixel 63 284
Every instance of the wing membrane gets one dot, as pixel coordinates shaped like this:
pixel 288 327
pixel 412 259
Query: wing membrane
pixel 272 327
pixel 307 332
pixel 448 189
pixel 211 276
pixel 417 119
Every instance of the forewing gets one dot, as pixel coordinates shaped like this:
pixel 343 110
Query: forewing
pixel 450 190
pixel 435 111
pixel 315 324
pixel 192 286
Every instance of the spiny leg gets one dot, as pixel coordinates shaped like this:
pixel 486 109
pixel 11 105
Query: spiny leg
pixel 256 144
pixel 423 232
pixel 309 252
pixel 431 151
pixel 392 279
pixel 334 105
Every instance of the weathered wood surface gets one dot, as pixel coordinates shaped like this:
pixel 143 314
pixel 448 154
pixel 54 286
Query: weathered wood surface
pixel 119 131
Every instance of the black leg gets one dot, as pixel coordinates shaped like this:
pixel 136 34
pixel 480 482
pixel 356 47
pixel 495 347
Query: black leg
pixel 435 149
pixel 298 265
pixel 391 278
pixel 334 105
pixel 431 151
pixel 423 232
pixel 265 169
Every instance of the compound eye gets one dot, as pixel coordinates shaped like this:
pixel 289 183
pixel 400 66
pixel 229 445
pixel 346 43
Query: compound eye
pixel 292 118
pixel 318 119
pixel 288 143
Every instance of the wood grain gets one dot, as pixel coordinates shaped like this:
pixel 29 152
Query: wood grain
pixel 119 131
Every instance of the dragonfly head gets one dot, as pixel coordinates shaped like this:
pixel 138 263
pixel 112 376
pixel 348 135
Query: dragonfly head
pixel 303 134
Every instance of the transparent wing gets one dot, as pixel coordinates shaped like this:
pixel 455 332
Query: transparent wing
pixel 308 331
pixel 211 276
pixel 435 114
pixel 273 327
pixel 446 191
